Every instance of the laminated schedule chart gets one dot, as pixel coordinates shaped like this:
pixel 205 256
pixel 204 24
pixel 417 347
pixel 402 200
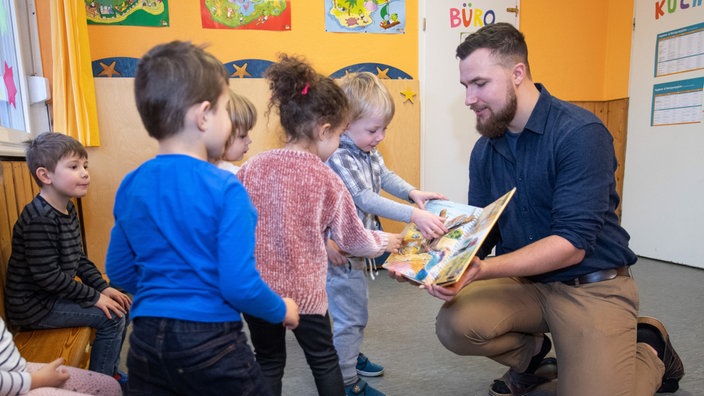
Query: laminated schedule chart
pixel 680 50
pixel 678 102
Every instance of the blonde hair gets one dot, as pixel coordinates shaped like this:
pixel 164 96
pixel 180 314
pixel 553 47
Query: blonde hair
pixel 243 115
pixel 367 96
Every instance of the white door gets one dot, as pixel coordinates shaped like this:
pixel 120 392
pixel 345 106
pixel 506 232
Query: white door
pixel 447 126
pixel 664 178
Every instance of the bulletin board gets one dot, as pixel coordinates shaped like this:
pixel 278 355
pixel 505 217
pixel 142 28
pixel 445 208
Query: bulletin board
pixel 664 175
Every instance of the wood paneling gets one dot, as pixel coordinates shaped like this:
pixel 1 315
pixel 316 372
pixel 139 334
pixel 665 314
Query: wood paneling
pixel 614 114
pixel 17 188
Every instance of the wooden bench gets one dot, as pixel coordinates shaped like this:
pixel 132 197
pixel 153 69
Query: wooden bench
pixel 17 188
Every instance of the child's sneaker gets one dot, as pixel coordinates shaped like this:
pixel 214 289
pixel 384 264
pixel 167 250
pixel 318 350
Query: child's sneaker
pixel 367 368
pixel 121 378
pixel 360 388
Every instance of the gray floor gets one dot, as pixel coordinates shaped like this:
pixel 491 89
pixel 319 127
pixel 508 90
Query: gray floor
pixel 401 336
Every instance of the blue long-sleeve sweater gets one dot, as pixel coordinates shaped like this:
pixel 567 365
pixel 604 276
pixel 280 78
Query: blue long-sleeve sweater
pixel 183 244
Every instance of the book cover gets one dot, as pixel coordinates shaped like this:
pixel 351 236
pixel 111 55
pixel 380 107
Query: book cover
pixel 443 260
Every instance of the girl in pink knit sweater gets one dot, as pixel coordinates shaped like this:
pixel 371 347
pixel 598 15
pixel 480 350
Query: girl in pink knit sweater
pixel 301 202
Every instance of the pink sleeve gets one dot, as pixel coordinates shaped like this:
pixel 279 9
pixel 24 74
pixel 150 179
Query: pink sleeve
pixel 81 382
pixel 347 230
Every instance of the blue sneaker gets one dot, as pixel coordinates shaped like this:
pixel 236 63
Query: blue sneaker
pixel 361 388
pixel 121 378
pixel 367 368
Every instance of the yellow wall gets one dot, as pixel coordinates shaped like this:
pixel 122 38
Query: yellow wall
pixel 328 52
pixel 618 51
pixel 580 50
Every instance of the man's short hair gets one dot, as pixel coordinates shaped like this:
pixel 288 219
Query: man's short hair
pixel 172 77
pixel 48 148
pixel 503 40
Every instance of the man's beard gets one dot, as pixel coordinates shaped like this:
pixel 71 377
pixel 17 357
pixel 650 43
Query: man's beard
pixel 496 124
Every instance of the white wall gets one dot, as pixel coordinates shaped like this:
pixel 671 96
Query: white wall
pixel 447 126
pixel 664 167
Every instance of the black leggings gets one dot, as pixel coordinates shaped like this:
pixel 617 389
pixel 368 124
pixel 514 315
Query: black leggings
pixel 314 335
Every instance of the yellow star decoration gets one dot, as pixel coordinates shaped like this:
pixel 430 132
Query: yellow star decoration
pixel 240 71
pixel 108 70
pixel 382 73
pixel 408 95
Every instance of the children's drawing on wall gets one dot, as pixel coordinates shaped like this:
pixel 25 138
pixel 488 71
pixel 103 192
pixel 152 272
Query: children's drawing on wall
pixel 365 16
pixel 246 14
pixel 128 12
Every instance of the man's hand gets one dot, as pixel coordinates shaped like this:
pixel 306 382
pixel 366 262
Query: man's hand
pixel 50 375
pixel 113 300
pixel 395 275
pixel 335 255
pixel 449 292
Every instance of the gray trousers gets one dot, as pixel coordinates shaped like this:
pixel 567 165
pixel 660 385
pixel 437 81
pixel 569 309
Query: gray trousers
pixel 348 299
pixel 593 328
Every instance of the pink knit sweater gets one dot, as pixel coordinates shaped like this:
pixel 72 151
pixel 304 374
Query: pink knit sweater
pixel 300 200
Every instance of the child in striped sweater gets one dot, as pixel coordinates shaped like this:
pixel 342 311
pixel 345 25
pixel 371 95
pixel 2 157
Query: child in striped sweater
pixel 18 377
pixel 41 291
pixel 301 202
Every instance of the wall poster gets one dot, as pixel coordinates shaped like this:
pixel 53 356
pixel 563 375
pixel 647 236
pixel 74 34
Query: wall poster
pixel 246 14
pixel 678 102
pixel 365 16
pixel 128 12
pixel 680 50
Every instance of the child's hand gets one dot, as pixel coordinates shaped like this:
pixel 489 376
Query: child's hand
pixel 122 298
pixel 421 197
pixel 394 242
pixel 291 319
pixel 107 304
pixel 50 375
pixel 429 224
pixel 335 255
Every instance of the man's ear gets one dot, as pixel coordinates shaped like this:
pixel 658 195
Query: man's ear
pixel 43 175
pixel 518 74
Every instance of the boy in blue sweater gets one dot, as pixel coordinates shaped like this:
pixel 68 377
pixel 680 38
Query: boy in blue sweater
pixel 183 239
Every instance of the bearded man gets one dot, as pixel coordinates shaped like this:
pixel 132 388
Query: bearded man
pixel 562 261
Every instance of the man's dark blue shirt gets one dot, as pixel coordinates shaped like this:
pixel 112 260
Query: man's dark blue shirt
pixel 563 167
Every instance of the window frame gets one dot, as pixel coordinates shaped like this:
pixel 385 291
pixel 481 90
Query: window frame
pixel 32 86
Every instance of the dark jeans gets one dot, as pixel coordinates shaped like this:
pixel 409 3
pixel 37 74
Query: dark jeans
pixel 314 335
pixel 109 333
pixel 177 357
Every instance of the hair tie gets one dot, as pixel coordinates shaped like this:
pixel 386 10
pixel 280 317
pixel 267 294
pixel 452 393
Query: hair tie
pixel 304 91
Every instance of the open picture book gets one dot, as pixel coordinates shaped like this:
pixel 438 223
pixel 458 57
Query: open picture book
pixel 443 260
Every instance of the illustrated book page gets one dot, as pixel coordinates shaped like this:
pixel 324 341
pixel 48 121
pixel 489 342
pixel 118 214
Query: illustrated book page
pixel 443 260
